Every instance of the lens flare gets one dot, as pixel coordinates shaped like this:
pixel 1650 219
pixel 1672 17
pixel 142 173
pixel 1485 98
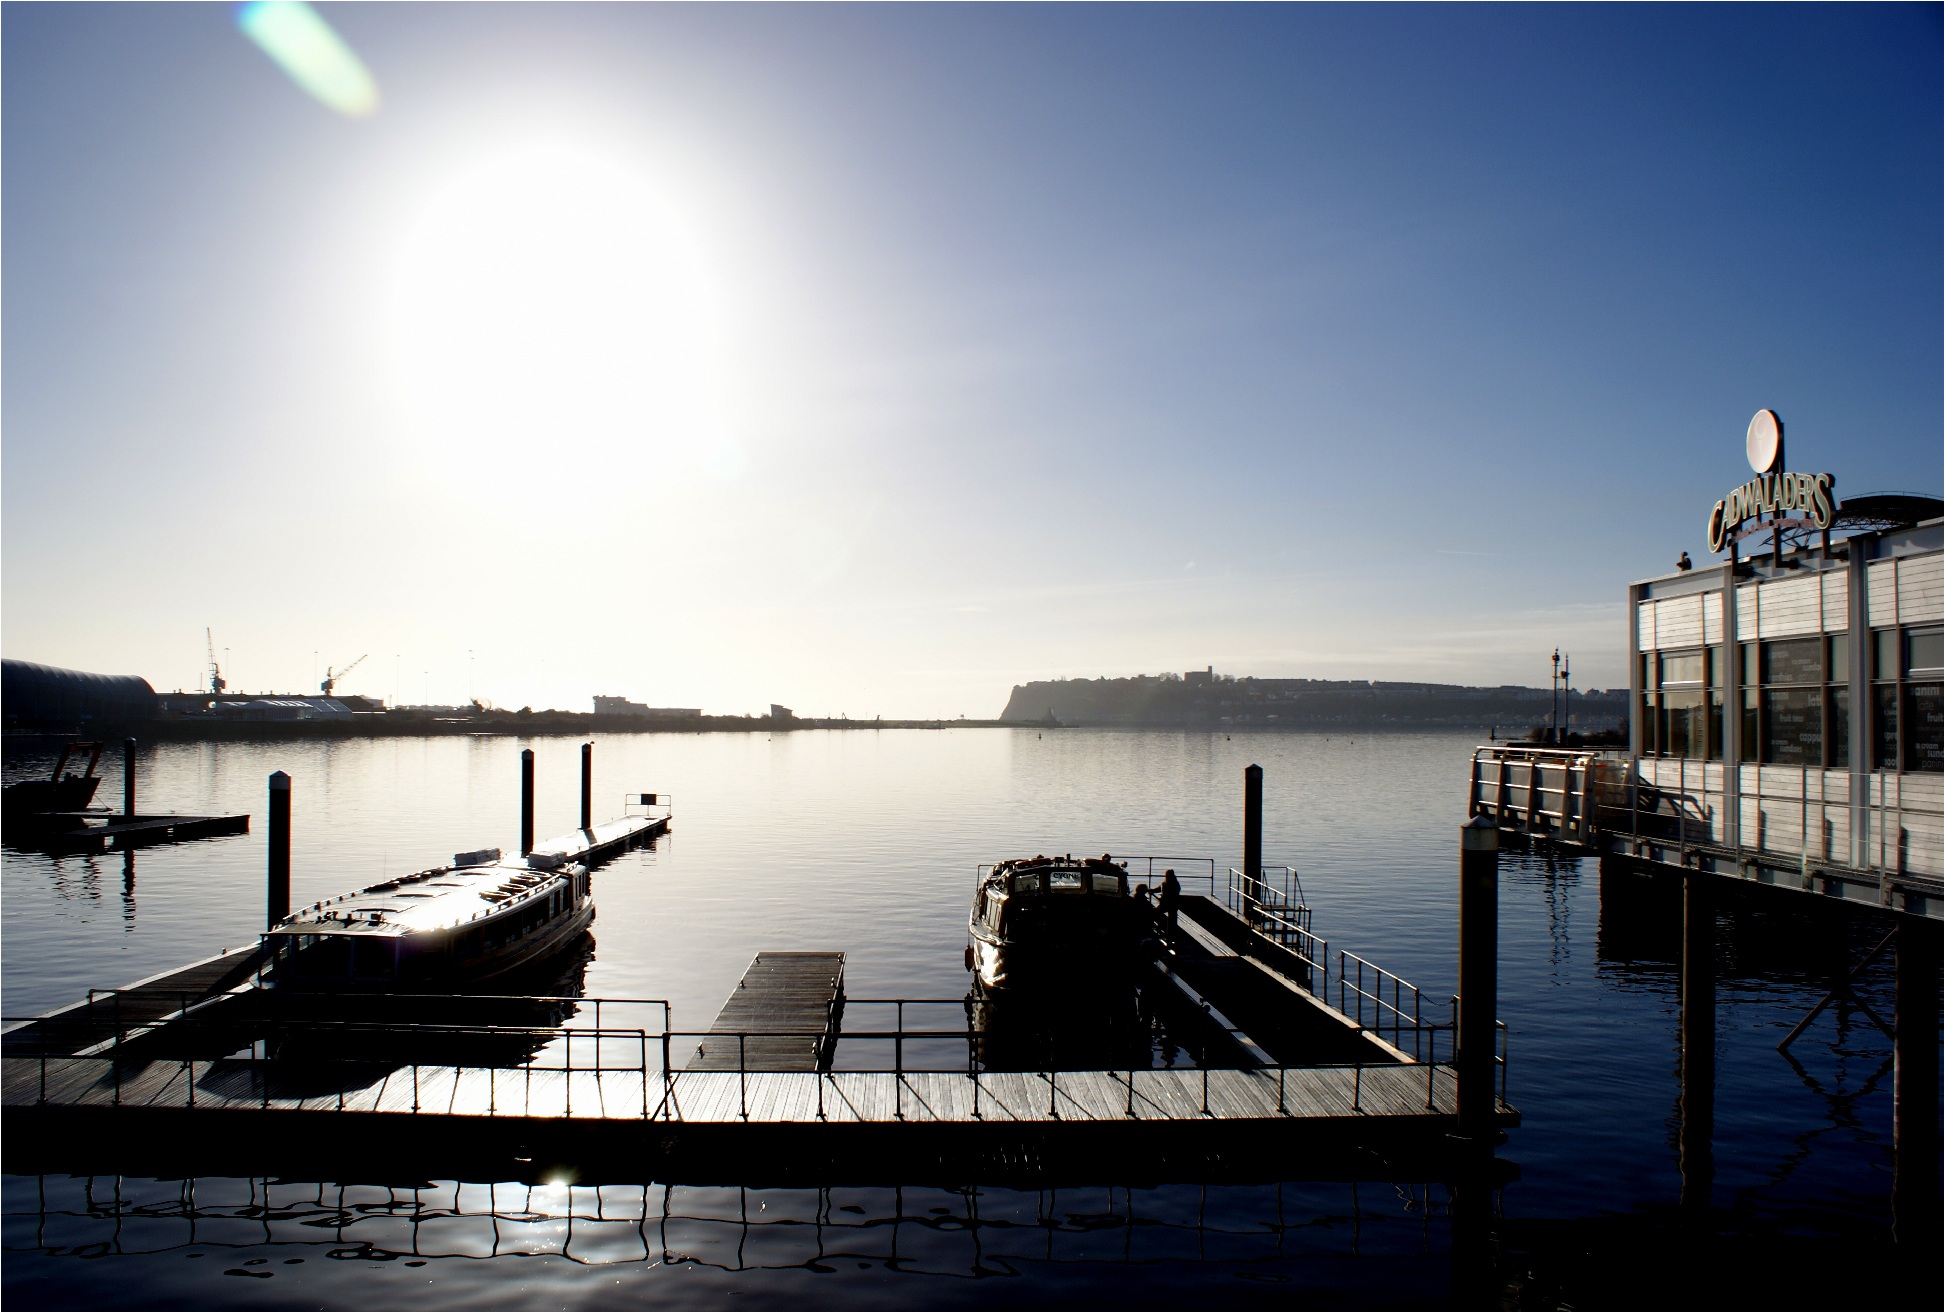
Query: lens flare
pixel 316 58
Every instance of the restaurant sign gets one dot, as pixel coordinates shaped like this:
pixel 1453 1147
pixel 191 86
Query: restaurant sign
pixel 1790 500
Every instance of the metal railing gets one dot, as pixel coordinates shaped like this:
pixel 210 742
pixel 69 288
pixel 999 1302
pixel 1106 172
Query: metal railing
pixel 1363 986
pixel 1543 792
pixel 644 1059
pixel 1274 907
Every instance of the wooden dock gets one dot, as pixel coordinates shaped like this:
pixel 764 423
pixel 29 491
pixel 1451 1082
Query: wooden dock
pixel 784 1015
pixel 66 1112
pixel 121 832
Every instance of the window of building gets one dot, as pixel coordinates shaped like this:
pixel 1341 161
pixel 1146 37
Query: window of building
pixel 1791 702
pixel 1923 726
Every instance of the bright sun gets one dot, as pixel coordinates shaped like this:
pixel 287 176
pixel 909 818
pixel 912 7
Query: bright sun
pixel 553 324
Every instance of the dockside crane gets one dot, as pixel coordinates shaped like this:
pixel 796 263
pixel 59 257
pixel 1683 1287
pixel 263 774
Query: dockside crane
pixel 331 676
pixel 216 680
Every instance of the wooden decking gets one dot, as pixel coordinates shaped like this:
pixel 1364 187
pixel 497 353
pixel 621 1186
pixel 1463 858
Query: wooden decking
pixel 224 1091
pixel 797 997
pixel 120 833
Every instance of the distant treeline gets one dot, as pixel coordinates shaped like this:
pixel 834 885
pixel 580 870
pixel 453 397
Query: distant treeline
pixel 1210 701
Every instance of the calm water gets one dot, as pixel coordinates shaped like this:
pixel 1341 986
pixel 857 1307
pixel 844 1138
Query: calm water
pixel 867 842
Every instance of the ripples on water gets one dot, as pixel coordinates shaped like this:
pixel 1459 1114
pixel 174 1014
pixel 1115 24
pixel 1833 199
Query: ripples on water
pixel 867 841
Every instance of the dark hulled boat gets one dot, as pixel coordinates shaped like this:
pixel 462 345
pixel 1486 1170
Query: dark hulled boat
pixel 1045 920
pixel 61 790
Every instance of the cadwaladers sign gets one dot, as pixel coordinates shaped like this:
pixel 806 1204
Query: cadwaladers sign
pixel 1773 493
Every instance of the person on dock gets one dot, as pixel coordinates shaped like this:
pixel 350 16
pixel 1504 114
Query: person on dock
pixel 1170 903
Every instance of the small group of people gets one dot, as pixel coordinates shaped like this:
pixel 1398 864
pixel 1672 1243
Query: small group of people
pixel 1167 905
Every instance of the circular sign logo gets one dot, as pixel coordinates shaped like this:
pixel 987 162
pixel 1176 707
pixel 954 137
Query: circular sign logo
pixel 1764 441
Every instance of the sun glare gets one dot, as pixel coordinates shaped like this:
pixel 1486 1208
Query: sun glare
pixel 554 325
pixel 315 57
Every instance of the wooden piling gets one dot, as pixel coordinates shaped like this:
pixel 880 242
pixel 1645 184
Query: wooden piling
pixel 1251 835
pixel 128 777
pixel 1478 859
pixel 277 893
pixel 526 801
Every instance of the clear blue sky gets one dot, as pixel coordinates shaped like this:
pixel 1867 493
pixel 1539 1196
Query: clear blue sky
pixel 874 359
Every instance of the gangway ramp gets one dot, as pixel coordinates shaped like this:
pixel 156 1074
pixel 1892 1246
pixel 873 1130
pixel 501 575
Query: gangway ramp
pixel 783 1016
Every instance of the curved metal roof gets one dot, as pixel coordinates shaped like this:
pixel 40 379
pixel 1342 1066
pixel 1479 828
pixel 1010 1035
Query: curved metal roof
pixel 47 693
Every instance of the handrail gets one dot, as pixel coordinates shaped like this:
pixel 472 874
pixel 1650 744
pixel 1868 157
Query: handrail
pixel 1354 973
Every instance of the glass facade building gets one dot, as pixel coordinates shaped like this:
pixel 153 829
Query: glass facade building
pixel 1796 708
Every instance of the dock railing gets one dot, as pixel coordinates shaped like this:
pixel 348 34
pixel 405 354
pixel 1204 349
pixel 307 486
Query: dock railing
pixel 1273 905
pixel 640 1070
pixel 1546 792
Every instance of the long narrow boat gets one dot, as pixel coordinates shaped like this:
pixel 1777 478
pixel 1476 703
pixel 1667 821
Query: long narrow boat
pixel 476 919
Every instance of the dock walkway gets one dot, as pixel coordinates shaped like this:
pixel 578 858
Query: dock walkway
pixel 797 997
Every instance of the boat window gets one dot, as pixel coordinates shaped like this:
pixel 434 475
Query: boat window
pixel 1106 884
pixel 1067 879
pixel 1026 883
pixel 371 958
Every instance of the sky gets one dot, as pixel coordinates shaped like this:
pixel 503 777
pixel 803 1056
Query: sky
pixel 871 360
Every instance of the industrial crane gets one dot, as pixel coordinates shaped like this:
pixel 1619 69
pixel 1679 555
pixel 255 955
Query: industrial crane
pixel 332 676
pixel 216 680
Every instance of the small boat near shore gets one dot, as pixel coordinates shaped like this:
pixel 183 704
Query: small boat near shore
pixel 61 791
pixel 474 920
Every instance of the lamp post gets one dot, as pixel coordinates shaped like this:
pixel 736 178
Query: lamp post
pixel 1566 702
pixel 1555 697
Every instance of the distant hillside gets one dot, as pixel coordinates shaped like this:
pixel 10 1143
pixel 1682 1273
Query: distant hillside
pixel 1211 701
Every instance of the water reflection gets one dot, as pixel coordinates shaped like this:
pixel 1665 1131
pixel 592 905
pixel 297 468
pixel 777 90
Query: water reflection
pixel 255 1226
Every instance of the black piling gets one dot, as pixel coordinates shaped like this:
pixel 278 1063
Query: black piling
pixel 1697 1043
pixel 526 801
pixel 1478 859
pixel 1913 1187
pixel 587 785
pixel 128 777
pixel 1251 836
pixel 277 892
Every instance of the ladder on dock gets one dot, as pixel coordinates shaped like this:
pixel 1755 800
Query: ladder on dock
pixel 783 1016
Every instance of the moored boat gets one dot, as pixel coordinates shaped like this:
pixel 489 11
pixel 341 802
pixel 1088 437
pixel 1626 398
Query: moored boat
pixel 1044 920
pixel 61 790
pixel 474 920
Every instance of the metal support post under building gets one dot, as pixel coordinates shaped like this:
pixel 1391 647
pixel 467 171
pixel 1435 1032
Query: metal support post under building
pixel 1913 1188
pixel 526 801
pixel 1697 1042
pixel 277 890
pixel 1478 859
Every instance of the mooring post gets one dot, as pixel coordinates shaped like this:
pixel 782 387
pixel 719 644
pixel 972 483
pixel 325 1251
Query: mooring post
pixel 1478 859
pixel 1913 1187
pixel 128 778
pixel 277 892
pixel 1697 1042
pixel 1251 839
pixel 526 801
pixel 587 785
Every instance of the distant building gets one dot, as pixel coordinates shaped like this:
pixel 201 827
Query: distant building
pixel 622 706
pixel 781 713
pixel 46 695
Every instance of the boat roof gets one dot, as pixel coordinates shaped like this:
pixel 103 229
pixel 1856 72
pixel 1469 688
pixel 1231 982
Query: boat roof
pixel 428 900
pixel 1104 865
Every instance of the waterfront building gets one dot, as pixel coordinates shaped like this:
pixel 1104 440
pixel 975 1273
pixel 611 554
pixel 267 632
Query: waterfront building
pixel 1792 701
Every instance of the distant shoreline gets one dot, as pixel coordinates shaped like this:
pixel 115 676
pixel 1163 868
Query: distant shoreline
pixel 572 725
